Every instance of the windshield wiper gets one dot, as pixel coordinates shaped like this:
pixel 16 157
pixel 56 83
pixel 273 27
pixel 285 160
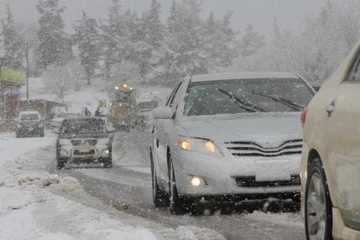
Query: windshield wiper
pixel 245 105
pixel 284 101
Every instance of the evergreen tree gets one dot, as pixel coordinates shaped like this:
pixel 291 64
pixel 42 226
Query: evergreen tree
pixel 114 38
pixel 55 45
pixel 87 38
pixel 13 43
pixel 251 42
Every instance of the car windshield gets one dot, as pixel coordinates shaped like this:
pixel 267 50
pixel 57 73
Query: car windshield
pixel 29 117
pixel 83 126
pixel 246 95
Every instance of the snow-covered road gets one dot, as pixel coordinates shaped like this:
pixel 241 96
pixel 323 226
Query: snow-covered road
pixel 128 187
pixel 109 203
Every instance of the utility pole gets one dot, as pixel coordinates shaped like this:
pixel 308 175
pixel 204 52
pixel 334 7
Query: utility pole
pixel 27 62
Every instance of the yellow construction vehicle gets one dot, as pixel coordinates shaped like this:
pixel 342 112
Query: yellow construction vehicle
pixel 123 106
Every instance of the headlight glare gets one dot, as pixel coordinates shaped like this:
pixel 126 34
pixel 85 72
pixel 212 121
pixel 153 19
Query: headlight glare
pixel 198 145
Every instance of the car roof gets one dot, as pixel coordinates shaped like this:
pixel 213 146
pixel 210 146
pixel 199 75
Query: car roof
pixel 83 118
pixel 29 112
pixel 243 75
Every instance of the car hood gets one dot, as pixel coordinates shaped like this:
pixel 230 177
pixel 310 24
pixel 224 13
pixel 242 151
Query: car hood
pixel 261 128
pixel 85 136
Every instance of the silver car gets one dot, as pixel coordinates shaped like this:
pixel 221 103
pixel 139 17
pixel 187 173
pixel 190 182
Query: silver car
pixel 229 136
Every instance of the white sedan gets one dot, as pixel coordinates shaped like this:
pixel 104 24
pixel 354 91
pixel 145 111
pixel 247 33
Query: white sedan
pixel 228 136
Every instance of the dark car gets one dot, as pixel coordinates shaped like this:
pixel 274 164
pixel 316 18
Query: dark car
pixel 84 140
pixel 29 123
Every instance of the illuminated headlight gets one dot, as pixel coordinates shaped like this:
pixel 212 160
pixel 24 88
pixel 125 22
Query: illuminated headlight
pixel 198 145
pixel 105 153
pixel 197 181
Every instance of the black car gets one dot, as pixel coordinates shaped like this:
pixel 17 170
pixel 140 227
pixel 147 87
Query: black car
pixel 29 123
pixel 84 140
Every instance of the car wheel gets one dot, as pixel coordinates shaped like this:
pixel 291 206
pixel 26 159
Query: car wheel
pixel 176 202
pixel 60 164
pixel 160 198
pixel 318 211
pixel 108 163
pixel 42 133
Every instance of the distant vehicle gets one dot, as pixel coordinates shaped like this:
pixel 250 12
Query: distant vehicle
pixel 331 156
pixel 123 107
pixel 229 136
pixel 84 140
pixel 144 113
pixel 60 117
pixel 30 123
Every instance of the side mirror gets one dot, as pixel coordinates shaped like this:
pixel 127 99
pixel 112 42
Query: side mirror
pixel 111 131
pixel 162 113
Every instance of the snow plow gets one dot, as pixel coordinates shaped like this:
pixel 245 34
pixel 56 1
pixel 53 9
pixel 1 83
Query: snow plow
pixel 123 107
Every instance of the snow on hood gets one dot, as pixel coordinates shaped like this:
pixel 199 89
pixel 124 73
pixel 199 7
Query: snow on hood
pixel 260 128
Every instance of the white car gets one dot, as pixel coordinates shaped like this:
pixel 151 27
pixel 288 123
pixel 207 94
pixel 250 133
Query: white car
pixel 229 136
pixel 331 156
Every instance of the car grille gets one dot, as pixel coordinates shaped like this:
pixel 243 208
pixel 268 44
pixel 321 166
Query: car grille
pixel 253 149
pixel 251 182
pixel 78 142
pixel 79 153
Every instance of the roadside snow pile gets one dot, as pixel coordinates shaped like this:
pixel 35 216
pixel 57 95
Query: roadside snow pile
pixel 65 184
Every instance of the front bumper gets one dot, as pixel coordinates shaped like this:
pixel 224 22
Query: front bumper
pixel 91 154
pixel 340 230
pixel 220 175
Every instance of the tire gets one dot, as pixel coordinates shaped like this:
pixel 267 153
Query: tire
pixel 318 209
pixel 160 198
pixel 177 205
pixel 108 163
pixel 60 164
pixel 42 133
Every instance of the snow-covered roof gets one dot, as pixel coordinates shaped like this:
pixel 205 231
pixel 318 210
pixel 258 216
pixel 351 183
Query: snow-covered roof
pixel 242 75
pixel 29 113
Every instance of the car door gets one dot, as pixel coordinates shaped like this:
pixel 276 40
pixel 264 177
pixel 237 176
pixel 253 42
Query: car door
pixel 343 126
pixel 161 140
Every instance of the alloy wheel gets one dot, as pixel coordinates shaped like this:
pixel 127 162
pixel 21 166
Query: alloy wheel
pixel 316 213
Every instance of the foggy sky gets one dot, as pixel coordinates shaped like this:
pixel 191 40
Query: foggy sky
pixel 260 13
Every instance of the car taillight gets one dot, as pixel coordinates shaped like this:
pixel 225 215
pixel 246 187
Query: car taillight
pixel 303 116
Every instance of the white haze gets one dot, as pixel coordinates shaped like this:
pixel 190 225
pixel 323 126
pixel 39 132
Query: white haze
pixel 260 13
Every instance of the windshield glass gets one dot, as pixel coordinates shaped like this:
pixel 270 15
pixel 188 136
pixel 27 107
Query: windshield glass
pixel 246 95
pixel 122 97
pixel 29 117
pixel 83 126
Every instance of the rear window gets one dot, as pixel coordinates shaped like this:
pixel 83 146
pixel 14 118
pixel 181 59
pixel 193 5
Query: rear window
pixel 246 95
pixel 30 117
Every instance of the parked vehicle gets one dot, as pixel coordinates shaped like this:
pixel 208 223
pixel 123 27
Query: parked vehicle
pixel 84 140
pixel 229 136
pixel 29 123
pixel 331 156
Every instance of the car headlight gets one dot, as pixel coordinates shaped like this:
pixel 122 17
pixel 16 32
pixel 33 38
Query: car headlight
pixel 202 145
pixel 105 153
